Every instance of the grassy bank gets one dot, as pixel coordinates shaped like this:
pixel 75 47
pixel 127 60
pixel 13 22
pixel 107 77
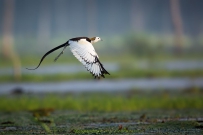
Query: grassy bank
pixel 90 101
pixel 127 67
pixel 122 73
pixel 132 112
pixel 153 121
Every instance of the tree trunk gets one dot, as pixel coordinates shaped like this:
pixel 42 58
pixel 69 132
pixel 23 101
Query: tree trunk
pixel 7 43
pixel 137 16
pixel 91 17
pixel 44 28
pixel 177 22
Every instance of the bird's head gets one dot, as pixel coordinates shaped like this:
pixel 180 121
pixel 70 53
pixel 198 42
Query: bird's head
pixel 95 39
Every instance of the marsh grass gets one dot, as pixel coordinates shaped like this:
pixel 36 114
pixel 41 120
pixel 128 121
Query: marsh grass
pixel 122 73
pixel 100 101
pixel 126 62
pixel 132 112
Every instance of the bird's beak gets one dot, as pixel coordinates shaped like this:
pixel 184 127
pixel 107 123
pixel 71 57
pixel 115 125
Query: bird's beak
pixel 101 39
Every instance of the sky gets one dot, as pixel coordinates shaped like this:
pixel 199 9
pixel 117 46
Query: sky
pixel 102 17
pixel 52 22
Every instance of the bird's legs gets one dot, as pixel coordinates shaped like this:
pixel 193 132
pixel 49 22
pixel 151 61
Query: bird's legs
pixel 60 53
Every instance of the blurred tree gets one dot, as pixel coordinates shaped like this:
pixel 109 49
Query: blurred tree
pixel 138 44
pixel 177 22
pixel 61 17
pixel 7 45
pixel 137 16
pixel 44 27
pixel 91 17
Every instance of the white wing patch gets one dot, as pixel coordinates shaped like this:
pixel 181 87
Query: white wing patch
pixel 85 53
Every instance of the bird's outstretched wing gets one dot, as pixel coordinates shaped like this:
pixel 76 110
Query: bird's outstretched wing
pixel 54 49
pixel 86 54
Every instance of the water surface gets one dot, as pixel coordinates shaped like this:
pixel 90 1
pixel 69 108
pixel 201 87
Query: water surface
pixel 105 85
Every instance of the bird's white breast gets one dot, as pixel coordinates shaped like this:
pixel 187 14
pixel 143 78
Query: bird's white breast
pixel 82 45
pixel 85 53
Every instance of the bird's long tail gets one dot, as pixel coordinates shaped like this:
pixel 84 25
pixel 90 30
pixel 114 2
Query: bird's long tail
pixel 52 50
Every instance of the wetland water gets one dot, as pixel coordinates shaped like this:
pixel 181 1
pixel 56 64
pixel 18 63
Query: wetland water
pixel 57 69
pixel 112 67
pixel 104 85
pixel 73 122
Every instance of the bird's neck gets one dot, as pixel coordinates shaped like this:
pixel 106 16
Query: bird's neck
pixel 92 42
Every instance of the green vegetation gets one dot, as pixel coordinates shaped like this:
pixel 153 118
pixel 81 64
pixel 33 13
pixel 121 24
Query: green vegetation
pixel 127 68
pixel 130 112
pixel 129 101
pixel 153 121
pixel 126 73
pixel 73 122
pixel 126 50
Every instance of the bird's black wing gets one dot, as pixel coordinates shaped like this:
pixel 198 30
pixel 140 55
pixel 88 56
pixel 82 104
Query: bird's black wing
pixel 63 45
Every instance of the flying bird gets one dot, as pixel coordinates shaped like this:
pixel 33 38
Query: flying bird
pixel 83 50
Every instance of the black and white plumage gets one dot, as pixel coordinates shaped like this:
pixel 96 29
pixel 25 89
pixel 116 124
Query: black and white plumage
pixel 83 50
